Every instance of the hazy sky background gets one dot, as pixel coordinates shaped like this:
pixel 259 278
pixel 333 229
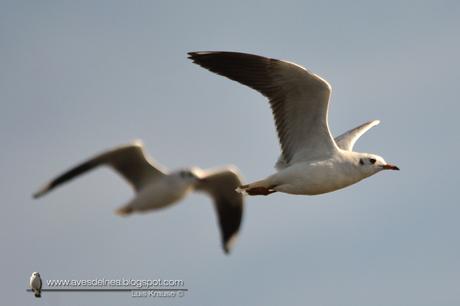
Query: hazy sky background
pixel 78 77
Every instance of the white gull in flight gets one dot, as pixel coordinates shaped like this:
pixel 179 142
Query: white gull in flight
pixel 157 188
pixel 311 161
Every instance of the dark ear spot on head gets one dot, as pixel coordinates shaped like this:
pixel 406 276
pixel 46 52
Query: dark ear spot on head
pixel 361 162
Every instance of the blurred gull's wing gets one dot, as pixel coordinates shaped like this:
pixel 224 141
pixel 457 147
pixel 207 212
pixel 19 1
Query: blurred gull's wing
pixel 298 98
pixel 221 185
pixel 347 140
pixel 129 161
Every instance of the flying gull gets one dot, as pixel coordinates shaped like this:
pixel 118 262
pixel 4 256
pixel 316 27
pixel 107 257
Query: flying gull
pixel 157 188
pixel 312 161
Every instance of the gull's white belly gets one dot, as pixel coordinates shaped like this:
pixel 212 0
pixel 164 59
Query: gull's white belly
pixel 160 194
pixel 315 178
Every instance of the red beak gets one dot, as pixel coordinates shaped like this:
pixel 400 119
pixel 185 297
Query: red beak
pixel 390 167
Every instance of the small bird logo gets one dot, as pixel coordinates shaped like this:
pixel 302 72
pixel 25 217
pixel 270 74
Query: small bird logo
pixel 36 284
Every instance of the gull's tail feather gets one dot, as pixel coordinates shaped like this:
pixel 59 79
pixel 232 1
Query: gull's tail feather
pixel 38 294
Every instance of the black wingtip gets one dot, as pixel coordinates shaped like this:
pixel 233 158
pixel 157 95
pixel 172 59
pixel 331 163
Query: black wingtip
pixel 37 194
pixel 228 243
pixel 41 191
pixel 194 55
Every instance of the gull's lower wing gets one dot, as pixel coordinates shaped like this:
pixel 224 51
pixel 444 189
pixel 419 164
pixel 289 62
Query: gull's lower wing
pixel 130 161
pixel 299 99
pixel 347 140
pixel 221 185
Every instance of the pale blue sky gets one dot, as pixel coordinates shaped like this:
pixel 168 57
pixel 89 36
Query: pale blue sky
pixel 78 77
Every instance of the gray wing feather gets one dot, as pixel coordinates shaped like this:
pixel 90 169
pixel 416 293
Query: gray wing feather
pixel 129 161
pixel 347 140
pixel 298 98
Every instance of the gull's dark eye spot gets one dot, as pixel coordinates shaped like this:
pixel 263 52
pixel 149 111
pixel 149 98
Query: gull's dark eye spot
pixel 372 160
pixel 361 162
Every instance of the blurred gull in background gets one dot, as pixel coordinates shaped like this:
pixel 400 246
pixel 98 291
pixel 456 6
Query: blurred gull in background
pixel 157 188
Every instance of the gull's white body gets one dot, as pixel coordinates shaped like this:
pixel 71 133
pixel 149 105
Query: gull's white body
pixel 316 177
pixel 311 162
pixel 160 194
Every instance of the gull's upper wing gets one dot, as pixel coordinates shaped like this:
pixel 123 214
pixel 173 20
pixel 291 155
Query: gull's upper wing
pixel 298 98
pixel 347 140
pixel 221 185
pixel 129 161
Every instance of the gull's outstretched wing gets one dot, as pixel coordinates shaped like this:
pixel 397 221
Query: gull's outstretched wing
pixel 298 98
pixel 347 140
pixel 129 161
pixel 221 185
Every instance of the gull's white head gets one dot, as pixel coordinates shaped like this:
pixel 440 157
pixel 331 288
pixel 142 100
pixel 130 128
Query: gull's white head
pixel 370 164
